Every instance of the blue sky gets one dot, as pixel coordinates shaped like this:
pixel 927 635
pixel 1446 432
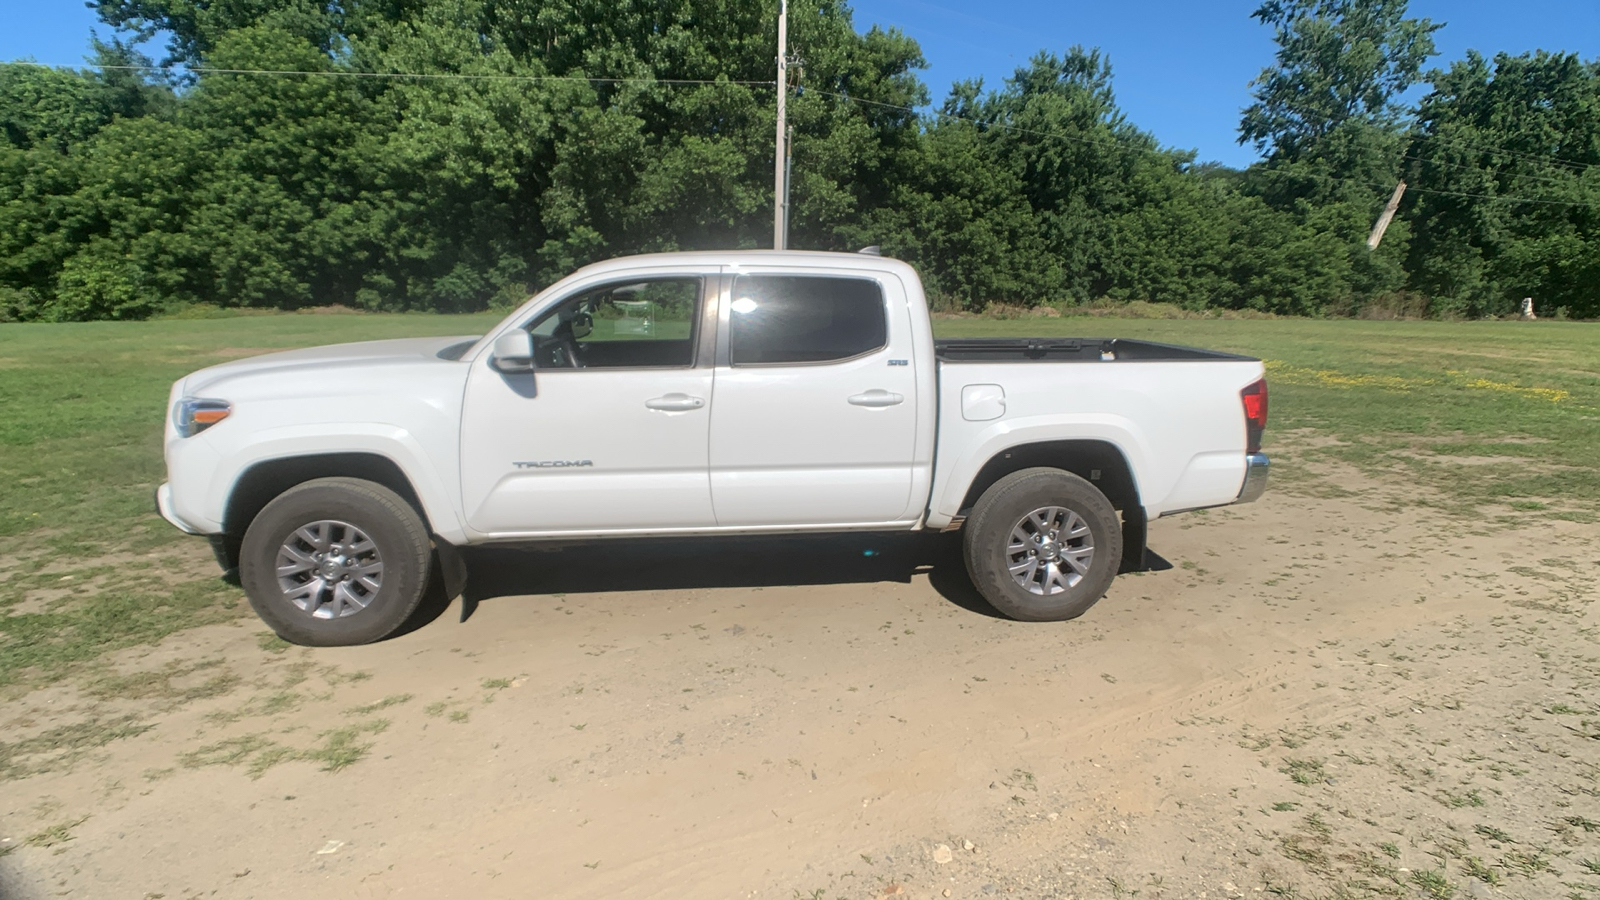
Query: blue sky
pixel 1182 68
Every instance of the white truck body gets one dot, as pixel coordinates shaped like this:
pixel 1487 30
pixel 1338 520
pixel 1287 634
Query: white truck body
pixel 898 436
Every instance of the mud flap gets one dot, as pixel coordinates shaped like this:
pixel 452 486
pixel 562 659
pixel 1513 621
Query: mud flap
pixel 225 548
pixel 1135 526
pixel 452 566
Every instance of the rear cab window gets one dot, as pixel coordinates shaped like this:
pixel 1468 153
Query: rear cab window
pixel 804 319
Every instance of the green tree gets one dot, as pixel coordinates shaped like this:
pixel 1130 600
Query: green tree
pixel 966 222
pixel 453 154
pixel 1338 61
pixel 50 121
pixel 555 133
pixel 1056 125
pixel 1329 116
pixel 195 27
pixel 1507 158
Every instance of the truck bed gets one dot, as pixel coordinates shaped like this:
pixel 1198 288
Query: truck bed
pixel 1173 414
pixel 1070 350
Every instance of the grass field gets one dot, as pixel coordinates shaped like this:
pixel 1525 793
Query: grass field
pixel 1494 421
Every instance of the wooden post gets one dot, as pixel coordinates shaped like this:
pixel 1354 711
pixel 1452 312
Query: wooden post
pixel 1376 236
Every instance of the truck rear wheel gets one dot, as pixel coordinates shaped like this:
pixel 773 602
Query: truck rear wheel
pixel 1043 545
pixel 334 562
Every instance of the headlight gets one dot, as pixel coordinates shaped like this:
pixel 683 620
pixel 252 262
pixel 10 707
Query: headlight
pixel 193 415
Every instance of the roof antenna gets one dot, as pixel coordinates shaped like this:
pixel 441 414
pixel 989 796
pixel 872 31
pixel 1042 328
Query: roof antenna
pixel 871 250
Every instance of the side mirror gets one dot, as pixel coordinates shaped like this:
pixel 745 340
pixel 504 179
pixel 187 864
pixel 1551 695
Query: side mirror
pixel 582 325
pixel 512 352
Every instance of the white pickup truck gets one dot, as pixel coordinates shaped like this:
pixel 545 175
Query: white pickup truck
pixel 700 394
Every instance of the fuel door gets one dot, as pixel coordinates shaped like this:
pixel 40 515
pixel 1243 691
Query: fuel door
pixel 982 402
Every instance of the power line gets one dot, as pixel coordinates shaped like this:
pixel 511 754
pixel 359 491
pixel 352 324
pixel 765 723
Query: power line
pixel 203 70
pixel 1494 197
pixel 1307 113
pixel 351 73
pixel 979 122
pixel 1303 111
pixel 1577 172
pixel 335 73
pixel 1552 160
pixel 1337 178
pixel 1577 167
pixel 1524 177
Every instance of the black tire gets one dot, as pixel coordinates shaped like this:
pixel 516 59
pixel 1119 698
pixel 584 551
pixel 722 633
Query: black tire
pixel 339 512
pixel 988 543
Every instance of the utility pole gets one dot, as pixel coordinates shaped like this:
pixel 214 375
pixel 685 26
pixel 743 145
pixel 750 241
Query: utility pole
pixel 788 176
pixel 1376 236
pixel 780 178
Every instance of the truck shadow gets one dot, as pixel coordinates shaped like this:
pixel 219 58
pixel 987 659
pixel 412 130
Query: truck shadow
pixel 687 563
pixel 723 562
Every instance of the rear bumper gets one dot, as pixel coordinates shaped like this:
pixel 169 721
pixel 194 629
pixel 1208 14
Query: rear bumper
pixel 164 506
pixel 1255 477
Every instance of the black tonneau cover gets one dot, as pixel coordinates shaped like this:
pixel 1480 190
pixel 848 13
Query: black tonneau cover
pixel 1069 350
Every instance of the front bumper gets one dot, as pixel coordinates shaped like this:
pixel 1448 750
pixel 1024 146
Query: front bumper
pixel 1255 477
pixel 164 506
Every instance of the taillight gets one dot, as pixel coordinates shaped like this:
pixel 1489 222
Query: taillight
pixel 1254 399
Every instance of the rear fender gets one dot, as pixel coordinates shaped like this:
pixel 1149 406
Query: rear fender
pixel 953 486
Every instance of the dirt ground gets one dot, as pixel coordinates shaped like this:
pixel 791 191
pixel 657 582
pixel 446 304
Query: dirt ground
pixel 1320 697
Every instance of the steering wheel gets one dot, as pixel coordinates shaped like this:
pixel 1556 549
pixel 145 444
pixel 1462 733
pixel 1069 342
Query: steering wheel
pixel 569 349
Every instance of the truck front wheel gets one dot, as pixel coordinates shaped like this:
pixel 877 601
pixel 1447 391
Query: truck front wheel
pixel 1043 545
pixel 335 561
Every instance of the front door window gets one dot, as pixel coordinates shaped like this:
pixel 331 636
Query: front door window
pixel 627 325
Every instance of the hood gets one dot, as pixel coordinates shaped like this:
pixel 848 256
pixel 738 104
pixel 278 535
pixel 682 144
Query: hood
pixel 365 356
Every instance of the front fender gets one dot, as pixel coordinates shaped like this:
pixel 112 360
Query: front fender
pixel 396 444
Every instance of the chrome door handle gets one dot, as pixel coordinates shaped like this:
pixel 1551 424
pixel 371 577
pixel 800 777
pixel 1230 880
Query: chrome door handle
pixel 675 403
pixel 877 398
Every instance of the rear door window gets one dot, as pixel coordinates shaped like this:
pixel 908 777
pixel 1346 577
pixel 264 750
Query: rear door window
pixel 790 319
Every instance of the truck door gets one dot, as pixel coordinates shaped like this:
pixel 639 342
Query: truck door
pixel 815 402
pixel 609 432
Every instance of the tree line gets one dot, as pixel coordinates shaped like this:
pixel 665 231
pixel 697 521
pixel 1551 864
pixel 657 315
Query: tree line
pixel 456 155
